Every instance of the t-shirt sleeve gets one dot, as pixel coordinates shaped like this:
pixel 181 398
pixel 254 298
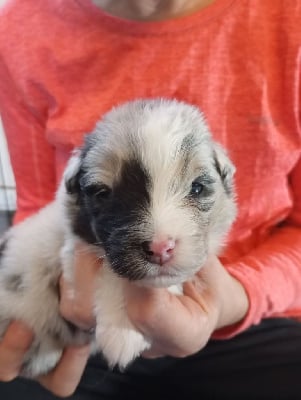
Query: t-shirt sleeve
pixel 271 273
pixel 32 157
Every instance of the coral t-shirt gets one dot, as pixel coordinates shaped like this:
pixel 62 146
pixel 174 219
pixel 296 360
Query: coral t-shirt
pixel 65 62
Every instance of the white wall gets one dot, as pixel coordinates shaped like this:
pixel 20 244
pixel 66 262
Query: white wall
pixel 7 182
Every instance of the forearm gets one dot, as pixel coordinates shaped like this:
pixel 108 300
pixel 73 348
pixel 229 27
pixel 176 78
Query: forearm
pixel 271 277
pixel 31 155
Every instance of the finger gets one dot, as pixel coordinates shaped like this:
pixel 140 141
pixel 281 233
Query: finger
pixel 153 310
pixel 80 314
pixel 64 379
pixel 206 285
pixel 13 347
pixel 154 352
pixel 77 298
pixel 198 291
pixel 159 315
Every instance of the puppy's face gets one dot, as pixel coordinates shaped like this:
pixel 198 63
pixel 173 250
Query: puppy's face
pixel 153 190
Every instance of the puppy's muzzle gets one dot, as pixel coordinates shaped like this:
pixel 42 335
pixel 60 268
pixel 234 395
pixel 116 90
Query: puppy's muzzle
pixel 159 251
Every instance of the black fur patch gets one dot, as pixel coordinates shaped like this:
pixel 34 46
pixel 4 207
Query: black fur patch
pixel 206 206
pixel 82 221
pixel 188 144
pixel 224 174
pixel 3 246
pixel 14 282
pixel 114 221
pixel 72 184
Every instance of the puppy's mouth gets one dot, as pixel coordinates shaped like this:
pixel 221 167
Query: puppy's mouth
pixel 161 280
pixel 164 276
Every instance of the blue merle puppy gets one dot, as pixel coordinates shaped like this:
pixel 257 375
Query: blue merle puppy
pixel 152 194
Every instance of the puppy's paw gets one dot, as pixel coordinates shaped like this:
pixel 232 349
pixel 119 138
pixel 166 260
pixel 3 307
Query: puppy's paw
pixel 120 346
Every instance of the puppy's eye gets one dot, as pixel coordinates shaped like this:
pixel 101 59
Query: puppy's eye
pixel 196 189
pixel 97 191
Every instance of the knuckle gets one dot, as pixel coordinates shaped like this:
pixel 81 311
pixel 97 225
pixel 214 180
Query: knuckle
pixel 138 314
pixel 82 314
pixel 74 311
pixel 10 348
pixel 183 352
pixel 59 392
pixel 146 313
pixel 79 315
pixel 65 310
pixel 8 376
pixel 58 389
pixel 64 392
pixel 146 320
pixel 20 348
pixel 177 353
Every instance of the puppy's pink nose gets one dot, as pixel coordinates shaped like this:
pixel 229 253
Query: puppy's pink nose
pixel 159 251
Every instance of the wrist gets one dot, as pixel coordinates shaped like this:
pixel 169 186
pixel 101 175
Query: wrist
pixel 229 300
pixel 233 299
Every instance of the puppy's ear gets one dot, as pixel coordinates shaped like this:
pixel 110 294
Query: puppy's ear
pixel 224 167
pixel 73 173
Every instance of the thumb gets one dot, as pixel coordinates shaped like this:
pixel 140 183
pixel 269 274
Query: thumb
pixel 77 297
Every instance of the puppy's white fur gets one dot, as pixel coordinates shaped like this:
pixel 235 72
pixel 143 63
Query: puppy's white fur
pixel 166 146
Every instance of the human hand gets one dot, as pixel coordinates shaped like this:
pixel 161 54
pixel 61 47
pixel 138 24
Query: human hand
pixel 13 347
pixel 76 306
pixel 61 381
pixel 182 325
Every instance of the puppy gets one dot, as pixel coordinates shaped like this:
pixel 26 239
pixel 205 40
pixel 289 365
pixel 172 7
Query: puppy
pixel 152 194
